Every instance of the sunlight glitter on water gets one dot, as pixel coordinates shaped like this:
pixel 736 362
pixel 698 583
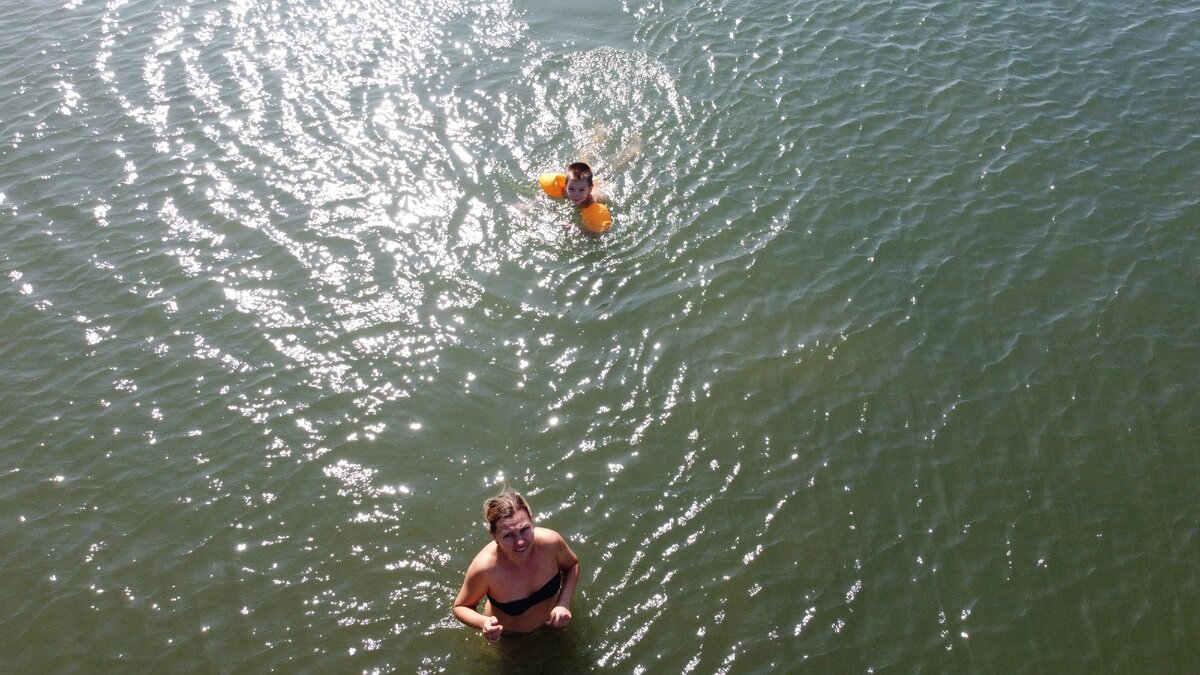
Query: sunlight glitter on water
pixel 343 163
pixel 891 298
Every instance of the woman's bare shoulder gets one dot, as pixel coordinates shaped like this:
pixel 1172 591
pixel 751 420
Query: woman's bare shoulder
pixel 555 542
pixel 484 560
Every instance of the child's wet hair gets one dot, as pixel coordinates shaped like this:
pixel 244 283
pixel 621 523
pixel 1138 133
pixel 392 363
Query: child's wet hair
pixel 579 170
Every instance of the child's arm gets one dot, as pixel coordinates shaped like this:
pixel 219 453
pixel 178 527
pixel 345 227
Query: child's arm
pixel 627 155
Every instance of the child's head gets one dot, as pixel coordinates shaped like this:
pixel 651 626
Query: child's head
pixel 579 183
pixel 580 171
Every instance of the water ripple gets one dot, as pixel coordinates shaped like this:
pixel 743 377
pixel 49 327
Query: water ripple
pixel 893 335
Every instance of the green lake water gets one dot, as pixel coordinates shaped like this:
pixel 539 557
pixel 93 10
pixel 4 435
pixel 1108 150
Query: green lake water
pixel 889 362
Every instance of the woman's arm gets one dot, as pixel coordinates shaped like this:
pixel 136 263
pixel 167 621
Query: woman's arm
pixel 465 604
pixel 567 561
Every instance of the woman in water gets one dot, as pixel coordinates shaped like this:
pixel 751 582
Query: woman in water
pixel 527 574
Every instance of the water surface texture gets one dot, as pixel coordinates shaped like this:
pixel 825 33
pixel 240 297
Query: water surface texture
pixel 888 363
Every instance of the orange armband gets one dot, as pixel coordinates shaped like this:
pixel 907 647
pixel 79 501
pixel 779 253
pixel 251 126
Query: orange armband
pixel 553 184
pixel 596 218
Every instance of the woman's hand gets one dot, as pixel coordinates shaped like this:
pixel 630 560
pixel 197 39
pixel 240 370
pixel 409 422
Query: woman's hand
pixel 559 617
pixel 492 629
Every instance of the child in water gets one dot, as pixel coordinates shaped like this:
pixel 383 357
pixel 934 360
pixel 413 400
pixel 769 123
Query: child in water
pixel 576 186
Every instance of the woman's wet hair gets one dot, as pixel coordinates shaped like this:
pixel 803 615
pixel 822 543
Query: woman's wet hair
pixel 504 505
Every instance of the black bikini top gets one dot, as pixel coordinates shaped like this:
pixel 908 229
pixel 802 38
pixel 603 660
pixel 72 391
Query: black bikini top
pixel 518 607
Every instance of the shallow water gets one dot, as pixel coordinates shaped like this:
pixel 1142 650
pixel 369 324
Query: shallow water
pixel 888 362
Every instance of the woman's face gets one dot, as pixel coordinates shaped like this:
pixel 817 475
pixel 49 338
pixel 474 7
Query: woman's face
pixel 514 535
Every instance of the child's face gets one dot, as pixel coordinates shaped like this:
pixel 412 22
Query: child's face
pixel 578 190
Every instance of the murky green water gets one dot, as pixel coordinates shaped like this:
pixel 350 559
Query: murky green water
pixel 889 361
